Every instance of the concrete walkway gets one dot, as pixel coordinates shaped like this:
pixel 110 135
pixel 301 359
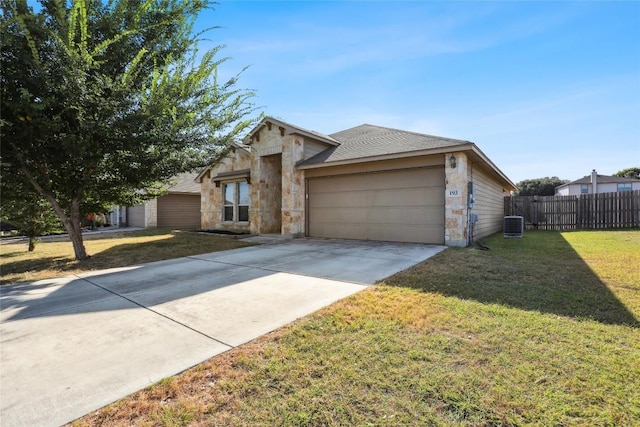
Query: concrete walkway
pixel 71 345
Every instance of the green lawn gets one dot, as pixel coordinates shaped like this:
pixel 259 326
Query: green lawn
pixel 54 257
pixel 541 330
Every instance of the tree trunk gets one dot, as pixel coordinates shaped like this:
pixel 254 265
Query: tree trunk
pixel 74 228
pixel 32 243
pixel 71 222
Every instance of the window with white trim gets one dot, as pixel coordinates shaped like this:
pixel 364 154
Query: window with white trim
pixel 236 201
pixel 624 186
pixel 584 188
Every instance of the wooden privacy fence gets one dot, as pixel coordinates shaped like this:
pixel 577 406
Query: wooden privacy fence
pixel 586 211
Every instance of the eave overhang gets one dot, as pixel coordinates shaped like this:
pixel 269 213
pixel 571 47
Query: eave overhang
pixel 230 176
pixel 475 154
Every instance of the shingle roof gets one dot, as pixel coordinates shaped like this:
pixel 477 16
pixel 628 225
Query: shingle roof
pixel 184 183
pixel 603 179
pixel 371 141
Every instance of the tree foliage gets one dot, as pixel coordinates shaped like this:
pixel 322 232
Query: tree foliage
pixel 629 173
pixel 104 101
pixel 26 210
pixel 539 186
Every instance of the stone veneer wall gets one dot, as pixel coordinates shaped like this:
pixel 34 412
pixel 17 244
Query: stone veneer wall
pixel 211 196
pixel 286 184
pixel 270 194
pixel 151 213
pixel 456 179
pixel 264 179
pixel 293 191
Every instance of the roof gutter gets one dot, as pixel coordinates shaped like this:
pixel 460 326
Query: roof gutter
pixel 469 146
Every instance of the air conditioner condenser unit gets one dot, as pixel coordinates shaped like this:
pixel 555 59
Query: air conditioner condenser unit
pixel 513 226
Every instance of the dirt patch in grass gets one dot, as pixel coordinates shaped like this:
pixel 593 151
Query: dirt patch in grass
pixel 55 258
pixel 537 331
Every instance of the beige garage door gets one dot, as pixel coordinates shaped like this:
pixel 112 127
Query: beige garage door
pixel 135 216
pixel 403 206
pixel 179 210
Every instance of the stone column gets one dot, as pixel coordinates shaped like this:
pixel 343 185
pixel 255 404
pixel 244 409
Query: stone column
pixel 292 187
pixel 456 200
pixel 210 204
pixel 255 206
pixel 151 213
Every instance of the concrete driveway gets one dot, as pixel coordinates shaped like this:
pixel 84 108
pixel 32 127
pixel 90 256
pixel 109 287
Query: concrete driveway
pixel 72 345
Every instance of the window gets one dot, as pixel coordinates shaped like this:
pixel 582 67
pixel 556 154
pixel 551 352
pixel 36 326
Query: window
pixel 243 201
pixel 625 186
pixel 229 197
pixel 584 188
pixel 236 201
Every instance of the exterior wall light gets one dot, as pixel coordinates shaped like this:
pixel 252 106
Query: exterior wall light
pixel 452 161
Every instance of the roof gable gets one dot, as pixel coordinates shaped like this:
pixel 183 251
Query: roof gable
pixel 242 149
pixel 291 129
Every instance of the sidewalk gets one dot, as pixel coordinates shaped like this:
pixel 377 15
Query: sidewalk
pixel 63 237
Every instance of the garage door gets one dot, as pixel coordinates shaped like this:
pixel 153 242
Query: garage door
pixel 179 211
pixel 135 216
pixel 403 206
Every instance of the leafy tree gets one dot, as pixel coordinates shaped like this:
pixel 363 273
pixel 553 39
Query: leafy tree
pixel 104 101
pixel 540 186
pixel 629 173
pixel 26 210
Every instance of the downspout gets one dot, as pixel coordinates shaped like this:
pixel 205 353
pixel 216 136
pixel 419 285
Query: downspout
pixel 470 229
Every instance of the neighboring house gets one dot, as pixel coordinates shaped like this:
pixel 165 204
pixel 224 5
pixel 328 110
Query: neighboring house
pixel 594 184
pixel 179 208
pixel 368 182
pixel 6 228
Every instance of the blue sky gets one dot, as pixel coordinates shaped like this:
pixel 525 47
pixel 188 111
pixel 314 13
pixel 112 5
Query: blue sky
pixel 543 88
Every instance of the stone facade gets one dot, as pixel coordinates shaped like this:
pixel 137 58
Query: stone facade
pixel 277 197
pixel 456 194
pixel 266 194
pixel 211 197
pixel 293 191
pixel 277 187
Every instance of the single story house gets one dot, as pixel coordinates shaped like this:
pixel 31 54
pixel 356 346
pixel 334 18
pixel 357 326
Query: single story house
pixel 368 182
pixel 179 208
pixel 595 184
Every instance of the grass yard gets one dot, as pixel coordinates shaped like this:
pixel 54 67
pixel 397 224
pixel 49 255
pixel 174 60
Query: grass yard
pixel 54 258
pixel 541 330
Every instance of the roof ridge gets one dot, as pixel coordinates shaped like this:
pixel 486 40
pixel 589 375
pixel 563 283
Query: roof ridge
pixel 406 131
pixel 300 128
